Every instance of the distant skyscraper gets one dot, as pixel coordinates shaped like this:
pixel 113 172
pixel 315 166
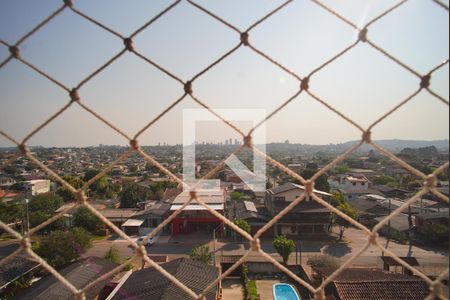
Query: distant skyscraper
pixel 226 142
pixel 231 141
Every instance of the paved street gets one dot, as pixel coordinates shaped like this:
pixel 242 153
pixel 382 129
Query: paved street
pixel 431 261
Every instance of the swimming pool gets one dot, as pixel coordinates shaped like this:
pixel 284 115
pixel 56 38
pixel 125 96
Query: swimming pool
pixel 283 291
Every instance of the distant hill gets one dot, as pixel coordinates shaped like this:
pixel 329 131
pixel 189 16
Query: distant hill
pixel 399 145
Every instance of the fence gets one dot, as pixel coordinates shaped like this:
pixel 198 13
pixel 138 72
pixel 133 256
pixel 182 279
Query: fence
pixel 430 180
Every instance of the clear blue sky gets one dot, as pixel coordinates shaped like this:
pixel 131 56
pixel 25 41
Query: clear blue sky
pixel 363 84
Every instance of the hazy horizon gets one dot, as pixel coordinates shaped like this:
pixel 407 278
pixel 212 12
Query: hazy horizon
pixel 363 84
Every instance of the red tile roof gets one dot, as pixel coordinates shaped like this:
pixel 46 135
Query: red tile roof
pixel 366 283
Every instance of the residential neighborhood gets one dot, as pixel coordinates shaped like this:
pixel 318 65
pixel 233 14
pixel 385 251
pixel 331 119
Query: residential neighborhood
pixel 196 246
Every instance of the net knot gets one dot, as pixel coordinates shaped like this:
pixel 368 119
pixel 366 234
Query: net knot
pixel 80 296
pixel 134 145
pixel 256 245
pixel 320 295
pixel 373 237
pixel 363 35
pixel 128 42
pixel 81 197
pixel 68 3
pixel 74 96
pixel 193 194
pixel 426 81
pixel 141 251
pixel 248 141
pixel 25 244
pixel 15 51
pixel 245 38
pixel 23 149
pixel 309 187
pixel 305 84
pixel 431 182
pixel 188 88
pixel 367 137
pixel 436 288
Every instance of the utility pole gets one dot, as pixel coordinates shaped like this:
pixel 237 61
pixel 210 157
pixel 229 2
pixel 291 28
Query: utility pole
pixel 26 201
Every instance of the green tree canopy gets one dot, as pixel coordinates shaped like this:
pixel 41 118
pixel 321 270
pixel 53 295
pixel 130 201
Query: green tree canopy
pixel 113 255
pixel 61 248
pixel 202 254
pixel 85 219
pixel 11 212
pixel 65 193
pixel 242 224
pixel 133 193
pixel 321 182
pixel 42 207
pixel 350 211
pixel 284 247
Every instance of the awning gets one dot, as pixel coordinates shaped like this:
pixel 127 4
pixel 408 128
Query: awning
pixel 133 223
pixel 197 207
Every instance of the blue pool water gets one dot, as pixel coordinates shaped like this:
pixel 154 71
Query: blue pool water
pixel 282 291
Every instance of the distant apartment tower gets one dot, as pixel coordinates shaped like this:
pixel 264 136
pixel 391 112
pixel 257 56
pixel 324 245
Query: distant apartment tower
pixel 36 187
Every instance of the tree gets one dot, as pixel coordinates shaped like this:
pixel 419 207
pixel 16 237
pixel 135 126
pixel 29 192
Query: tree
pixel 242 224
pixel 321 182
pixel 99 187
pixel 284 247
pixel 65 193
pixel 202 254
pixel 113 255
pixel 132 194
pixel 384 180
pixel 350 211
pixel 10 213
pixel 61 248
pixel 237 196
pixel 84 218
pixel 320 263
pixel 342 169
pixel 42 207
pixel 337 199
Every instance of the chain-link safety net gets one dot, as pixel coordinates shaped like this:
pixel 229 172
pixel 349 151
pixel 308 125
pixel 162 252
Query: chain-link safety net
pixel 243 40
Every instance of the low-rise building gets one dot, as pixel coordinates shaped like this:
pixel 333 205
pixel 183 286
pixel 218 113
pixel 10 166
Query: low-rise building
pixel 36 187
pixel 307 218
pixel 365 283
pixel 151 284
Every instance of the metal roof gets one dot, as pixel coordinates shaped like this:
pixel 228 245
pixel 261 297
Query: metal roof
pixel 197 207
pixel 133 223
pixel 250 206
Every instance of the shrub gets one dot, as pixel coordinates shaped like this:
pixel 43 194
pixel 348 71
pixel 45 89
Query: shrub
pixel 324 263
pixel 202 254
pixel 284 247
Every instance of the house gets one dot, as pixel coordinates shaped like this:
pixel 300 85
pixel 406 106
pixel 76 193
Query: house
pixel 151 284
pixel 399 226
pixel 80 274
pixel 307 218
pixel 392 192
pixel 6 182
pixel 354 182
pixel 18 267
pixel 366 283
pixel 194 216
pixel 368 210
pixel 427 219
pixel 256 216
pixel 36 187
